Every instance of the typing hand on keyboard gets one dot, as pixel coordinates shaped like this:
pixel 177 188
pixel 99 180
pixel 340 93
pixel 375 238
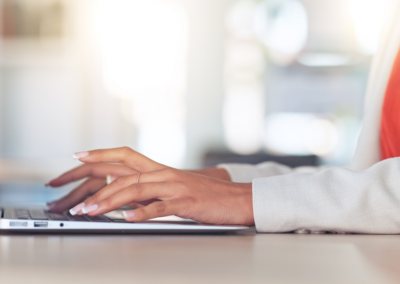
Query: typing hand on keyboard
pixel 96 179
pixel 167 191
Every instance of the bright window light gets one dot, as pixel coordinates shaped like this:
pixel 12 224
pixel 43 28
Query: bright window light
pixel 144 48
pixel 243 118
pixel 285 34
pixel 368 16
pixel 321 137
pixel 240 18
pixel 299 134
pixel 243 110
pixel 324 59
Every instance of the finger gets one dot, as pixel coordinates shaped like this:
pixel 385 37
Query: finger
pixel 123 155
pixel 79 194
pixel 91 170
pixel 132 193
pixel 147 202
pixel 124 182
pixel 111 189
pixel 141 203
pixel 134 205
pixel 154 210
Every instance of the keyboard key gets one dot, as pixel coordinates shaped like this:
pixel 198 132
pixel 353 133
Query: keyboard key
pixel 22 214
pixel 78 218
pixel 24 217
pixel 38 215
pixel 99 218
pixel 57 216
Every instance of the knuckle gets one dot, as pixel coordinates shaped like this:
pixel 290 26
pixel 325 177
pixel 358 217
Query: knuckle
pixel 159 207
pixel 172 173
pixel 180 187
pixel 95 198
pixel 126 150
pixel 108 203
pixel 140 214
pixel 189 200
pixel 136 189
pixel 120 180
pixel 187 205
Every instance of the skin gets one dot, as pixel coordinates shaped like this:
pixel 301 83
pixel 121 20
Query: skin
pixel 206 196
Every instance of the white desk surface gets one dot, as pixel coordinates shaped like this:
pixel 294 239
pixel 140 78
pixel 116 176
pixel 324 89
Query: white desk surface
pixel 234 258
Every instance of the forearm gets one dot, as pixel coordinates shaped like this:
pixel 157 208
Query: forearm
pixel 334 199
pixel 244 173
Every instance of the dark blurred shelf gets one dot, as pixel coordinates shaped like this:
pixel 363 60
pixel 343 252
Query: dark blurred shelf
pixel 214 158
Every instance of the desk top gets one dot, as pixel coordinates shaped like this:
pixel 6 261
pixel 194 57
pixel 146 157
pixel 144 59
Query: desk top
pixel 233 258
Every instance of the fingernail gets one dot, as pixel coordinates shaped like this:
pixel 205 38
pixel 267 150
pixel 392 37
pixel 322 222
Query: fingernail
pixel 51 206
pixel 109 179
pixel 77 208
pixel 128 214
pixel 90 208
pixel 51 203
pixel 80 155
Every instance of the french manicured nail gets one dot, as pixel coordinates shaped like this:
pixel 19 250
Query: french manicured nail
pixel 80 155
pixel 51 206
pixel 90 208
pixel 51 203
pixel 77 208
pixel 128 214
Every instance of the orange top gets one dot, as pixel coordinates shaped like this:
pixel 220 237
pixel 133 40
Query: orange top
pixel 390 122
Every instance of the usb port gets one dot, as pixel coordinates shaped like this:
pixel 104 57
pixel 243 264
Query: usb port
pixel 18 224
pixel 41 224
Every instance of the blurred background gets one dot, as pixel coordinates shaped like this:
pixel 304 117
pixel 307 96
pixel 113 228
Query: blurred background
pixel 189 83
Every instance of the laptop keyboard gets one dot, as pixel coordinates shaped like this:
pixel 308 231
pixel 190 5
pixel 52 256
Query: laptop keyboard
pixel 36 214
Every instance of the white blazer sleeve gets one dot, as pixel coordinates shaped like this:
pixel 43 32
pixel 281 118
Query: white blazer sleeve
pixel 246 173
pixel 333 199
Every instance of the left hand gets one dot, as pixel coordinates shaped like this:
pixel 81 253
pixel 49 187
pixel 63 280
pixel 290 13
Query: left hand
pixel 181 193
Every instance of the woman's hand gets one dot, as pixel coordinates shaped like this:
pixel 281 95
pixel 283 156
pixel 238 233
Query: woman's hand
pixel 96 175
pixel 181 193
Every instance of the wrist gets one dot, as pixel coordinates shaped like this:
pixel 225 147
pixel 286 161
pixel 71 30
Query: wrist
pixel 214 172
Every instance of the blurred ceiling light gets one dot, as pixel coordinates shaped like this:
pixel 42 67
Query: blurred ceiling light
pixel 144 47
pixel 171 150
pixel 324 59
pixel 283 27
pixel 243 109
pixel 243 118
pixel 245 62
pixel 368 16
pixel 299 134
pixel 321 137
pixel 239 20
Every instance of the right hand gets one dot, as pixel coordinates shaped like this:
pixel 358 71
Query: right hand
pixel 96 175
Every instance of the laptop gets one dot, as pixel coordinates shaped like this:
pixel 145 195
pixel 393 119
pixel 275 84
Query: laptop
pixel 38 220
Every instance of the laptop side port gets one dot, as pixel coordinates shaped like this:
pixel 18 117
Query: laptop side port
pixel 18 224
pixel 41 224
